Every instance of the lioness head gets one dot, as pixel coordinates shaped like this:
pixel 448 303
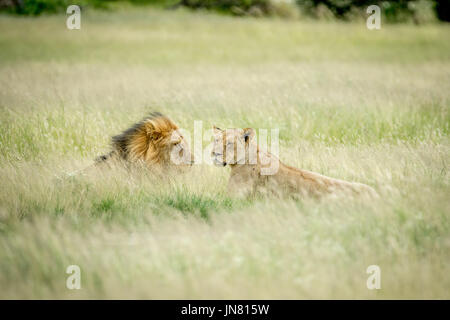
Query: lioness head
pixel 234 146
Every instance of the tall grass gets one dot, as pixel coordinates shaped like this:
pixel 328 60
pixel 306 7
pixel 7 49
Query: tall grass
pixel 366 106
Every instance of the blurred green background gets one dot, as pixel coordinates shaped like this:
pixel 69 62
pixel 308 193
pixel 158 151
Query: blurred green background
pixel 417 11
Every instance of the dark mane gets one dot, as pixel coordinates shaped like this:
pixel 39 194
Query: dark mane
pixel 121 143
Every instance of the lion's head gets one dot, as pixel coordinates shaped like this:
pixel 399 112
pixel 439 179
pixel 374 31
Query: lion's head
pixel 234 146
pixel 155 140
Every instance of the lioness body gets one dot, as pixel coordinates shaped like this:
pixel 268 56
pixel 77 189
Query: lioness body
pixel 249 178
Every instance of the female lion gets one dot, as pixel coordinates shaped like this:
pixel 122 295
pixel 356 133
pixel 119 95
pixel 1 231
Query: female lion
pixel 256 171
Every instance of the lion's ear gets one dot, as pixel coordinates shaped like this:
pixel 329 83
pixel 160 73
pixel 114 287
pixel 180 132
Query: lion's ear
pixel 217 129
pixel 249 133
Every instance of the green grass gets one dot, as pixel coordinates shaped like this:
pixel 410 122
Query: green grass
pixel 368 106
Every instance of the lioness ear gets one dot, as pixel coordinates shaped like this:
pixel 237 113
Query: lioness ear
pixel 217 129
pixel 249 133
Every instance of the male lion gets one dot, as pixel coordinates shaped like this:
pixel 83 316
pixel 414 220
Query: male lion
pixel 249 174
pixel 154 142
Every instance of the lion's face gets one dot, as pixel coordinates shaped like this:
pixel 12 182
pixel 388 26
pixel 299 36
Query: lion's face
pixel 233 146
pixel 156 140
pixel 178 150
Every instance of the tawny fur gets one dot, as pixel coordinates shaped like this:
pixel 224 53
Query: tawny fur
pixel 247 179
pixel 148 142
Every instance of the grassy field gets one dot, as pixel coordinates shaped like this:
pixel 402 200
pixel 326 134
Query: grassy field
pixel 368 106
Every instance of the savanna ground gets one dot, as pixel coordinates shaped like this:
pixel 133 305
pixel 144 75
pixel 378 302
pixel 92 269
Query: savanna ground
pixel 368 106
